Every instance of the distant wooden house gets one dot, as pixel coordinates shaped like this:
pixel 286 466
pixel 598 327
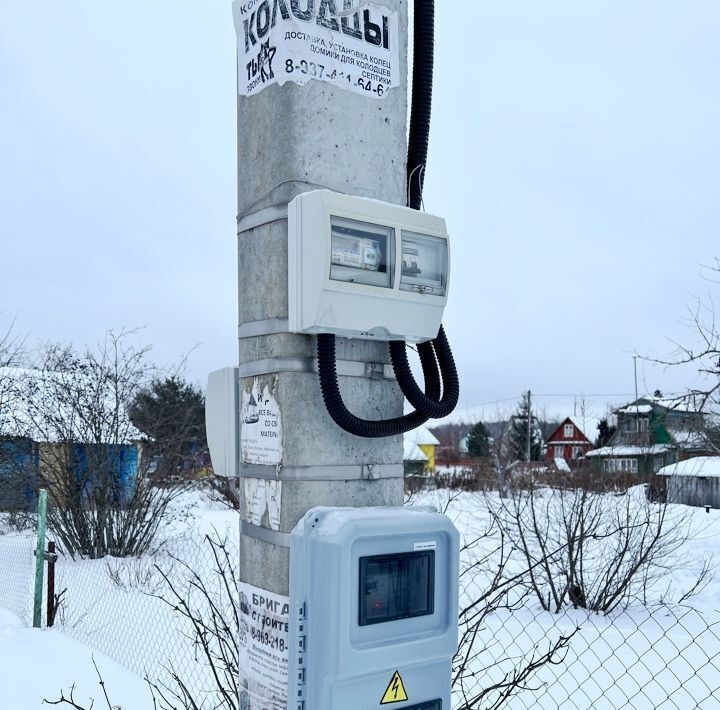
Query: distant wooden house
pixel 18 473
pixel 651 433
pixel 567 441
pixel 695 481
pixel 414 460
pixel 67 445
pixel 426 442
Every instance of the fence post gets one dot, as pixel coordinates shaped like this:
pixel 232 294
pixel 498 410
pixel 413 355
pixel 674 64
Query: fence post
pixel 51 557
pixel 39 558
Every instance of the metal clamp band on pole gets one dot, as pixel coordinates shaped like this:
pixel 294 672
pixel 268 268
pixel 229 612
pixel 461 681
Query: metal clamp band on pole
pixel 247 219
pixel 346 472
pixel 270 326
pixel 346 368
pixel 272 537
pixel 267 215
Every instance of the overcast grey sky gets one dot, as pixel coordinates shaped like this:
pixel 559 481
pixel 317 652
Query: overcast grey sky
pixel 575 153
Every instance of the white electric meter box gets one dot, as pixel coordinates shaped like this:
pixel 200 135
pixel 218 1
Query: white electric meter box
pixel 374 609
pixel 222 424
pixel 362 268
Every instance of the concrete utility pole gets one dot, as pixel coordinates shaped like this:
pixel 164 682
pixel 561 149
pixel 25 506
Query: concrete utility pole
pixel 294 138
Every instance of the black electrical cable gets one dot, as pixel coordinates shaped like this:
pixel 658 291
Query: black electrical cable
pixel 421 104
pixel 419 139
pixel 431 406
pixel 435 353
pixel 368 428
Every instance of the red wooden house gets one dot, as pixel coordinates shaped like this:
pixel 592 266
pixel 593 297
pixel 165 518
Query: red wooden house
pixel 567 442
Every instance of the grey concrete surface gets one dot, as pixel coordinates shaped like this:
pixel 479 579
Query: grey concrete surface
pixel 292 139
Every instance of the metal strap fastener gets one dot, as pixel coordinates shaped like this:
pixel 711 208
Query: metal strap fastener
pixel 273 213
pixel 344 472
pixel 267 215
pixel 269 326
pixel 346 368
pixel 272 537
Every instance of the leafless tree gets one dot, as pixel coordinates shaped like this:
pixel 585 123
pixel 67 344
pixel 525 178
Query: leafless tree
pixel 586 547
pixel 102 500
pixel 701 353
pixel 501 449
pixel 212 608
pixel 11 359
pixel 485 676
pixel 222 490
pixel 16 484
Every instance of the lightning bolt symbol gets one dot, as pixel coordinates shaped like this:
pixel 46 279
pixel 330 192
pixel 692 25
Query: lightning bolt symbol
pixel 394 688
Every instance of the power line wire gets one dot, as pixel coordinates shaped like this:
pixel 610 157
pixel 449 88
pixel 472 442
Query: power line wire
pixel 567 395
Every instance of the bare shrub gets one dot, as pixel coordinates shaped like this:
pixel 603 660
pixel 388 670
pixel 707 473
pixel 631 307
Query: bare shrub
pixel 482 676
pixel 91 461
pixel 223 491
pixel 588 548
pixel 11 359
pixel 135 574
pixel 212 607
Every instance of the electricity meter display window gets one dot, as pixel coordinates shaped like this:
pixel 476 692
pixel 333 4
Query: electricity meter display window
pixel 424 264
pixel 398 586
pixel 361 252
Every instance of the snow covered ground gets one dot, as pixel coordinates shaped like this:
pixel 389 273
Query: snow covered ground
pixel 666 657
pixel 38 664
pixel 111 607
pixel 644 658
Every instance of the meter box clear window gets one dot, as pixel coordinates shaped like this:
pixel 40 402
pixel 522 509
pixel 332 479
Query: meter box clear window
pixel 361 252
pixel 424 264
pixel 399 586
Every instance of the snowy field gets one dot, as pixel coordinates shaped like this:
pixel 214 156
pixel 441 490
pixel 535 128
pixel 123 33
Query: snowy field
pixel 644 658
pixel 39 664
pixel 113 605
pixel 654 654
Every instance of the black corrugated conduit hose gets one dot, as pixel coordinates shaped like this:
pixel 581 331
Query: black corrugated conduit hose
pixel 428 404
pixel 369 428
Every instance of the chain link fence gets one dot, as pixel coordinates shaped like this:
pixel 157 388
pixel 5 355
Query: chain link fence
pixel 130 609
pixel 17 543
pixel 126 609
pixel 513 654
pixel 531 638
pixel 665 657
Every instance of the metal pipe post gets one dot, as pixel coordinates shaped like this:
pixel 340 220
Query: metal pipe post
pixel 40 558
pixel 51 558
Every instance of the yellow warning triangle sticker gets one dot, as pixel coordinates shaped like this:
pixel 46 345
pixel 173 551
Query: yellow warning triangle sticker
pixel 395 692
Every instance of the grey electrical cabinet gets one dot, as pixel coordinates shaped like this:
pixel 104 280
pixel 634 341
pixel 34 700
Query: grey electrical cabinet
pixel 374 609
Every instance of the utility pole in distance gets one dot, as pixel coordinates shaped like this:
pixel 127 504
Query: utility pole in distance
pixel 337 121
pixel 528 454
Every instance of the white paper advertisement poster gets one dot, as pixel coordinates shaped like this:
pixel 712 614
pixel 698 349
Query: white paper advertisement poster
pixel 264 620
pixel 348 43
pixel 262 502
pixel 260 422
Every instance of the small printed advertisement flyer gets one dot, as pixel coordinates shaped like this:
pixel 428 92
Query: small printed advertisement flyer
pixel 351 44
pixel 261 422
pixel 264 630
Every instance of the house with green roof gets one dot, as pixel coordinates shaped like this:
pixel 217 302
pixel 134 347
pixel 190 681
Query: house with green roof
pixel 653 432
